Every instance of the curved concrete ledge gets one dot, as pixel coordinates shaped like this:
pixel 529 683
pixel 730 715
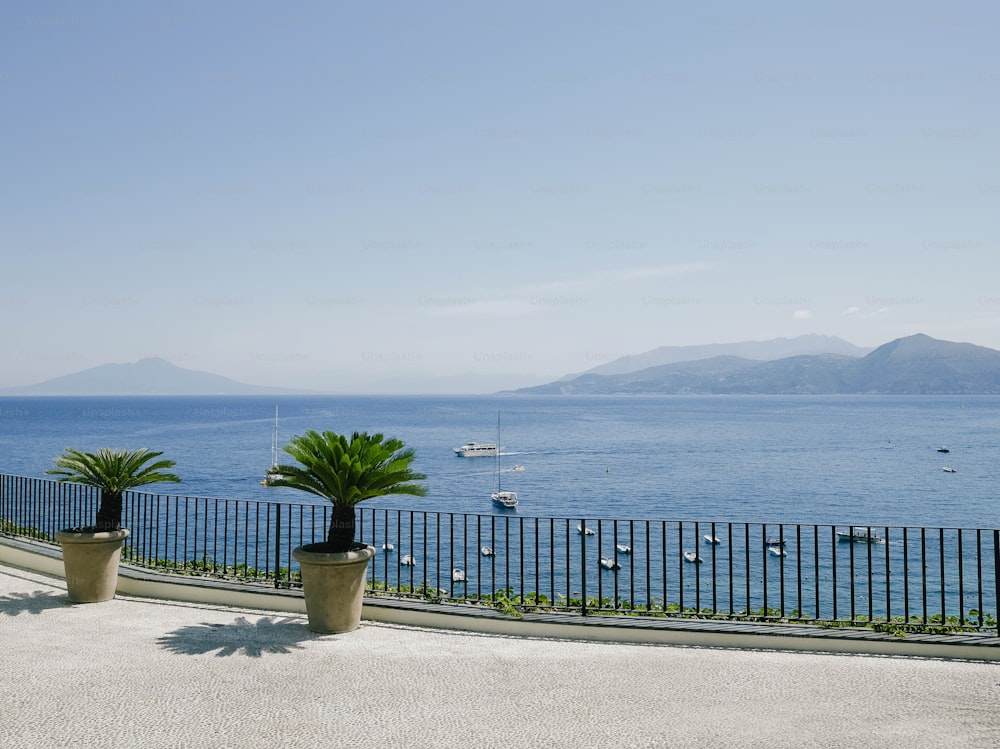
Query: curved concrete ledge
pixel 141 583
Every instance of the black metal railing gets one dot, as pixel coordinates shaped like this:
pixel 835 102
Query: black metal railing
pixel 884 576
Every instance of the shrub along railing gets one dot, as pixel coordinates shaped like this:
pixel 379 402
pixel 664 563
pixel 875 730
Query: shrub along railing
pixel 896 578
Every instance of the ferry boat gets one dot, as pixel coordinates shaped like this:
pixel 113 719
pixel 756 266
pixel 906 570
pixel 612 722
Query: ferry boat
pixel 476 450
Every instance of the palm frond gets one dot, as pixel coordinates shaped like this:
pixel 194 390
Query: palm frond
pixel 347 471
pixel 112 470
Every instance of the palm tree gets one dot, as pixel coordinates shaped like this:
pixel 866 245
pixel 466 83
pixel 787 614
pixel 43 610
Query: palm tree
pixel 113 472
pixel 346 472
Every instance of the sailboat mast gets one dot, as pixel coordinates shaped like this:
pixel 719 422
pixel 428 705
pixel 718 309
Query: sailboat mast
pixel 498 452
pixel 274 438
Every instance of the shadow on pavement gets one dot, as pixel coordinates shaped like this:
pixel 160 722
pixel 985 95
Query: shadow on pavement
pixel 34 602
pixel 267 635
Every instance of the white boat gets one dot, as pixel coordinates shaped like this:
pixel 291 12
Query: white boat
pixel 457 575
pixel 272 473
pixel 610 564
pixel 949 469
pixel 860 536
pixel 476 450
pixel 504 498
pixel 691 556
pixel 407 561
pixel 584 531
pixel 387 547
pixel 517 468
pixel 710 539
pixel 486 551
pixel 777 551
pixel 623 548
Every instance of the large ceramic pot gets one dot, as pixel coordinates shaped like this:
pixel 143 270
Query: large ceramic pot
pixel 334 586
pixel 91 563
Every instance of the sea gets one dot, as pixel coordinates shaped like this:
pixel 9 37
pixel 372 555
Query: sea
pixel 860 460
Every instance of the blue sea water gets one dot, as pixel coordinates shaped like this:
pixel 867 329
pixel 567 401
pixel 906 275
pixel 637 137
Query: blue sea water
pixel 863 460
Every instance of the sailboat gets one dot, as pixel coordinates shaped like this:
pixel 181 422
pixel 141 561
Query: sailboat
pixel 272 473
pixel 501 497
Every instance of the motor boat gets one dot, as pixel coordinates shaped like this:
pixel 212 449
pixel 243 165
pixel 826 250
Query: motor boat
pixel 860 536
pixel 476 450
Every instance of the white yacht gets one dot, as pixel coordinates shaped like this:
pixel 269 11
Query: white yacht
pixel 476 450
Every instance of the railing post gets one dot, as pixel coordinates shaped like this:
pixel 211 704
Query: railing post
pixel 277 545
pixel 583 567
pixel 996 576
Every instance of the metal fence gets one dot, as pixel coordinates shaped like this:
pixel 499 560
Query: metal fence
pixel 842 574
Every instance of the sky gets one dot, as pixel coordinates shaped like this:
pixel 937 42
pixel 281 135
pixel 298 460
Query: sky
pixel 466 197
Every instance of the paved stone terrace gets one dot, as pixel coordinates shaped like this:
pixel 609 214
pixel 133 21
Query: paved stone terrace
pixel 141 673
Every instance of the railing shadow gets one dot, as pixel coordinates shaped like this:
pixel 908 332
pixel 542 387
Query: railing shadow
pixel 35 602
pixel 268 635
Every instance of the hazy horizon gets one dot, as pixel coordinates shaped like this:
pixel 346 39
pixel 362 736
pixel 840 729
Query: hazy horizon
pixel 342 199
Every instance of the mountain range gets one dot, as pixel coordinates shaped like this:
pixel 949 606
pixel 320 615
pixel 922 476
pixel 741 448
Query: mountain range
pixel 820 365
pixel 917 364
pixel 776 348
pixel 145 377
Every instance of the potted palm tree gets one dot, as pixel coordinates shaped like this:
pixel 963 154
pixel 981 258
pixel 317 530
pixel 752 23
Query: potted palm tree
pixel 345 471
pixel 91 553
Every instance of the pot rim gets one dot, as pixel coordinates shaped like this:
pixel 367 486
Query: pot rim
pixel 82 535
pixel 360 553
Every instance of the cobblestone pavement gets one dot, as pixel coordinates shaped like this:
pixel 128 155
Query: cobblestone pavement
pixel 140 673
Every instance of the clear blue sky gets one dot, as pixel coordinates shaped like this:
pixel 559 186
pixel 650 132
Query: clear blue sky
pixel 357 197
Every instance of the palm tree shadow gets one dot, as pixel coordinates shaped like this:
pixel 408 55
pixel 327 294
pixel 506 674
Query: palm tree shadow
pixel 34 602
pixel 254 639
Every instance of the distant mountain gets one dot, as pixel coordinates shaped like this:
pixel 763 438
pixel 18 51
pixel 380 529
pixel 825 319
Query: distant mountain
pixel 776 348
pixel 917 364
pixel 144 377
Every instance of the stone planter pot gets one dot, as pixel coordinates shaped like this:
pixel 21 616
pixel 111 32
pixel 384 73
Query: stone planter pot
pixel 91 563
pixel 334 586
